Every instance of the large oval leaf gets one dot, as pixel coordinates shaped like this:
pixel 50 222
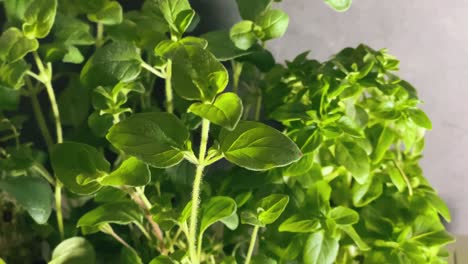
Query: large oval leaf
pixel 155 138
pixel 78 166
pixel 354 159
pixel 39 18
pixel 34 194
pixel 274 23
pixel 226 111
pixel 121 213
pixel 132 172
pixel 111 64
pixel 75 250
pixel 256 146
pixel 320 249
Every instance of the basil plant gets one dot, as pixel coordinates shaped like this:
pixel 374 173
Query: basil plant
pixel 127 138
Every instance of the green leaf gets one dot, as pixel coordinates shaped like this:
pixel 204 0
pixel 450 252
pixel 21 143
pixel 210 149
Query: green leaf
pixel 34 194
pixel 14 45
pixel 320 248
pixel 298 224
pixel 435 238
pixel 271 207
pixel 75 250
pixel 11 74
pixel 9 98
pixel 184 20
pixel 350 127
pixel 351 232
pixel 132 172
pixel 197 74
pixel 39 18
pixel 162 260
pixel 221 45
pixel 74 103
pixel 344 216
pixel 386 140
pixel 121 213
pixel 243 35
pixel 251 9
pixel 250 218
pixel 226 111
pixel 305 164
pixel 155 138
pixel 339 5
pixel 420 118
pixel 111 64
pixel 175 13
pixel 354 159
pixel 363 194
pixel 274 23
pixel 396 177
pixel 75 162
pixel 129 256
pixel 215 209
pixel 256 146
pixel 439 205
pixel 72 31
pixel 110 14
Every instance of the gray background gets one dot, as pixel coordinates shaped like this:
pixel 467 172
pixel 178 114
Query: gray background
pixel 430 37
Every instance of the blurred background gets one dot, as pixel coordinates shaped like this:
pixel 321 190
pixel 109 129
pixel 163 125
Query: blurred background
pixel 430 39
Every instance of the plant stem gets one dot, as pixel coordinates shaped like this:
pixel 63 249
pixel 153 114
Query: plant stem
pixel 120 240
pixel 253 240
pixel 258 107
pixel 58 208
pixel 169 96
pixel 152 70
pixel 39 115
pixel 236 72
pixel 99 34
pixel 403 174
pixel 44 173
pixel 196 192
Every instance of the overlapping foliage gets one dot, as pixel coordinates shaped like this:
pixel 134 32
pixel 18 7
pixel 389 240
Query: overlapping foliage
pixel 154 161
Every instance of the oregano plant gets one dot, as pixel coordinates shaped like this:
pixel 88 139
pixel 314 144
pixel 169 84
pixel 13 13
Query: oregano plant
pixel 127 138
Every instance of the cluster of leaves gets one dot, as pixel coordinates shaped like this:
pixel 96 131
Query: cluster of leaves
pixel 341 182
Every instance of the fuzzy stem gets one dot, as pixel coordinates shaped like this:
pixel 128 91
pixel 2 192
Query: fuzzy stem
pixel 196 193
pixel 253 240
pixel 169 95
pixel 150 68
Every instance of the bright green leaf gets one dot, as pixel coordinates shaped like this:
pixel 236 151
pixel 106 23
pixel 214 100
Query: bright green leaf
pixel 420 118
pixel 215 209
pixel 354 159
pixel 274 23
pixel 132 172
pixel 351 232
pixel 256 146
pixel 298 224
pixel 271 207
pixel 110 14
pixel 320 248
pixel 121 213
pixel 39 18
pixel 339 5
pixel 386 140
pixel 75 250
pixel 14 45
pixel 243 35
pixel 155 138
pixel 34 194
pixel 78 166
pixel 129 256
pixel 344 216
pixel 226 111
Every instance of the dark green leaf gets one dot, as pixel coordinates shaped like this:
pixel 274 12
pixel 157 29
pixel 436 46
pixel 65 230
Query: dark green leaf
pixel 354 159
pixel 226 111
pixel 320 248
pixel 121 213
pixel 76 163
pixel 155 138
pixel 132 172
pixel 75 250
pixel 74 103
pixel 256 146
pixel 251 9
pixel 215 209
pixel 9 98
pixel 111 64
pixel 274 23
pixel 34 194
pixel 162 260
pixel 129 256
pixel 221 45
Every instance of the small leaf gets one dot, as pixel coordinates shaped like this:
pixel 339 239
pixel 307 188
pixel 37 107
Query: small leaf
pixel 274 23
pixel 298 224
pixel 110 14
pixel 344 216
pixel 354 159
pixel 34 194
pixel 339 5
pixel 121 213
pixel 215 209
pixel 320 248
pixel 175 14
pixel 226 111
pixel 250 218
pixel 351 232
pixel 11 74
pixel 271 207
pixel 14 45
pixel 74 161
pixel 384 143
pixel 435 238
pixel 9 98
pixel 162 260
pixel 243 35
pixel 256 146
pixel 132 172
pixel 420 118
pixel 111 64
pixel 155 138
pixel 221 45
pixel 75 250
pixel 39 18
pixel 129 256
